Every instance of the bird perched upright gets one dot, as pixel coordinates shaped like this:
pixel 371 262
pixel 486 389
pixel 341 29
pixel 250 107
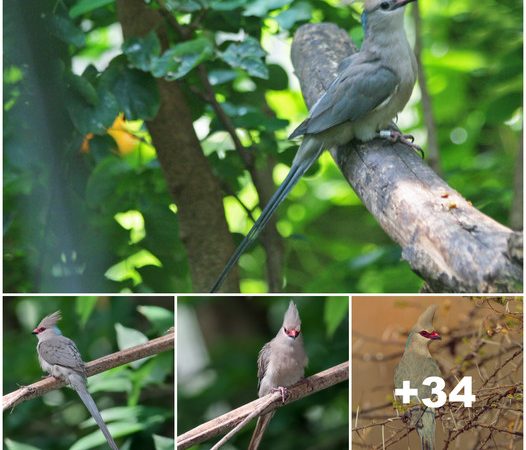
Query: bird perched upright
pixel 60 357
pixel 416 365
pixel 281 363
pixel 371 88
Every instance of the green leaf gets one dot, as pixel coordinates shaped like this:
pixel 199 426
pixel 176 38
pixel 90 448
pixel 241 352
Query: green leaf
pixel 163 443
pixel 297 13
pixel 142 52
pixel 14 445
pixel 81 86
pixel 104 180
pixel 97 439
pixel 335 312
pixel 260 8
pixel 180 59
pixel 186 6
pixel 128 337
pixel 85 115
pixel 135 91
pixel 246 55
pixel 67 31
pixel 116 383
pixel 160 318
pixel 85 6
pixel 220 76
pixel 227 5
pixel 84 307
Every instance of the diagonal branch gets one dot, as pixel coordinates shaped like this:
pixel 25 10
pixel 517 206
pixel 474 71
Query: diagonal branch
pixel 303 388
pixel 448 242
pixel 99 365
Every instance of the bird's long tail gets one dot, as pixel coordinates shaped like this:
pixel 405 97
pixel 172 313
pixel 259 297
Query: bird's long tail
pixel 298 169
pixel 92 408
pixel 426 428
pixel 261 426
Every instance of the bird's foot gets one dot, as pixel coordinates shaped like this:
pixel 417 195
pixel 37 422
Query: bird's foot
pixel 284 392
pixel 407 139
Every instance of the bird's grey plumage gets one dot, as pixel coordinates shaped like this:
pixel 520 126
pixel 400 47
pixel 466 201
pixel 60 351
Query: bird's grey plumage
pixel 416 365
pixel 281 363
pixel 59 356
pixel 371 88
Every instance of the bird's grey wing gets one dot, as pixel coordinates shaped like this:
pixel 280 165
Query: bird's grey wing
pixel 61 351
pixel 263 359
pixel 358 90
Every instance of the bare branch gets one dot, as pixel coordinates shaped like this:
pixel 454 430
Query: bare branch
pixel 303 388
pixel 99 365
pixel 448 242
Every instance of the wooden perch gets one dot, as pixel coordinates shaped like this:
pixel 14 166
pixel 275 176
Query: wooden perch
pixel 107 362
pixel 303 388
pixel 445 240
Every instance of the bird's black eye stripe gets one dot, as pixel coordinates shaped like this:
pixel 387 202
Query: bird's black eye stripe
pixel 384 5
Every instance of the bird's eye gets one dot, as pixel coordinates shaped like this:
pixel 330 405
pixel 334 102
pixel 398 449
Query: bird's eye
pixel 384 5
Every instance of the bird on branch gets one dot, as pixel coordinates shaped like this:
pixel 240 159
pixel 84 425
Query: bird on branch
pixel 371 88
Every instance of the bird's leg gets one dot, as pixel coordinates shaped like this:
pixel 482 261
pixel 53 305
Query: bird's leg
pixel 284 392
pixel 407 139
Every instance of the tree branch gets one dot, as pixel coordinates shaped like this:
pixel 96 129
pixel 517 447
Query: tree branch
pixel 303 388
pixel 449 243
pixel 99 365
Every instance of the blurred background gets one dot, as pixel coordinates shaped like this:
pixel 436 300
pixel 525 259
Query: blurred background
pixel 106 188
pixel 136 399
pixel 481 337
pixel 218 341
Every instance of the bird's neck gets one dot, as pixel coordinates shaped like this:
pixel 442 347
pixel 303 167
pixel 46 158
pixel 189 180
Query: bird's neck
pixel 384 33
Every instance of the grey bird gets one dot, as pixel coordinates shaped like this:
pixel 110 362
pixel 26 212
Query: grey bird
pixel 60 357
pixel 371 88
pixel 416 365
pixel 281 363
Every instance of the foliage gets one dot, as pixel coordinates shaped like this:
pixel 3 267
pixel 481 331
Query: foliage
pixel 86 204
pixel 136 400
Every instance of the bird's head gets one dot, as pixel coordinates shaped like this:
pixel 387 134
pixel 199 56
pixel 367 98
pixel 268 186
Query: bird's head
pixel 292 322
pixel 423 330
pixel 383 12
pixel 48 323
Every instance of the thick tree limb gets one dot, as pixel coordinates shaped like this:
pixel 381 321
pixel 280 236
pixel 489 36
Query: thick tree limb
pixel 99 365
pixel 303 388
pixel 449 243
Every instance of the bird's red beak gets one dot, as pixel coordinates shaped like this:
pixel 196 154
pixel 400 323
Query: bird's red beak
pixel 292 333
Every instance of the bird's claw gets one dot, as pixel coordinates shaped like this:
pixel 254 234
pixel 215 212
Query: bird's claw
pixel 407 139
pixel 284 392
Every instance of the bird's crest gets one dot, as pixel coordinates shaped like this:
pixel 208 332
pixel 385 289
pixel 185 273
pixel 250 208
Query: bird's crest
pixel 50 321
pixel 425 321
pixel 292 320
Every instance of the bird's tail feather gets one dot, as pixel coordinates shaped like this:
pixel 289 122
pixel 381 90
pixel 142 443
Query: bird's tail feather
pixel 92 408
pixel 261 426
pixel 296 172
pixel 426 429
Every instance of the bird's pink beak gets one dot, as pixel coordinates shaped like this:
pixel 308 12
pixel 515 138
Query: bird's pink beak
pixel 292 333
pixel 434 336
